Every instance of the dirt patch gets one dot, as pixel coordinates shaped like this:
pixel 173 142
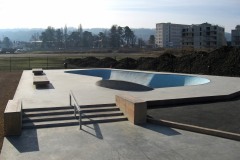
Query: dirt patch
pixel 8 85
pixel 224 61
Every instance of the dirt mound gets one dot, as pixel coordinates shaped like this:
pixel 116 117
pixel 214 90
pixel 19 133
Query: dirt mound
pixel 224 61
pixel 166 63
pixel 147 63
pixel 126 63
pixel 107 63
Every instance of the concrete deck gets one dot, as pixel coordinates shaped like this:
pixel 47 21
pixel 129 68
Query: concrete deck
pixel 88 93
pixel 119 140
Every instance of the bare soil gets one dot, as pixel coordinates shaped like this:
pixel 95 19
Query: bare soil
pixel 224 61
pixel 8 85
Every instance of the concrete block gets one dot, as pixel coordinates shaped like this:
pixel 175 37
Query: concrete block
pixel 133 108
pixel 40 80
pixel 13 118
pixel 37 71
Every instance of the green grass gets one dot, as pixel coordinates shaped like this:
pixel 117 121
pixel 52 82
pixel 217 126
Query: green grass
pixel 55 61
pixel 25 63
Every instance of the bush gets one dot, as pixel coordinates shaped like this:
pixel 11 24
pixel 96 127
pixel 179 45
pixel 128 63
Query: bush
pixel 127 63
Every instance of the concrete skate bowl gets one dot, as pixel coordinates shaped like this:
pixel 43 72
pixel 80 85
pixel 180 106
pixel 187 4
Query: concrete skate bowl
pixel 139 81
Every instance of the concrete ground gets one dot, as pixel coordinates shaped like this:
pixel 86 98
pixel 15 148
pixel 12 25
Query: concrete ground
pixel 87 93
pixel 222 116
pixel 119 140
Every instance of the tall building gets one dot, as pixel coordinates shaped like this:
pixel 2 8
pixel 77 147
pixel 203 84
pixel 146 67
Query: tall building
pixel 203 36
pixel 169 35
pixel 236 36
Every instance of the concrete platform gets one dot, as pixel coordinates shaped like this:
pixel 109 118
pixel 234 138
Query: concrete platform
pixel 119 140
pixel 88 93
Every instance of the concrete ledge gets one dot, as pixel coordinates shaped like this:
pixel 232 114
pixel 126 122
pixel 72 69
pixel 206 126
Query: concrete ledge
pixel 208 131
pixel 37 71
pixel 40 80
pixel 13 118
pixel 134 109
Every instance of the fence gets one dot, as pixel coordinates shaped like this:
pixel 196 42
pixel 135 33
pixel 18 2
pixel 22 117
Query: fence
pixel 27 63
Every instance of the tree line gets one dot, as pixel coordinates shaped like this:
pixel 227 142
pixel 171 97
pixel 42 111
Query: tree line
pixel 115 37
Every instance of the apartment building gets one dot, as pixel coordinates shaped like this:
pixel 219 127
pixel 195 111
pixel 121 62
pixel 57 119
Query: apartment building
pixel 203 36
pixel 236 36
pixel 169 35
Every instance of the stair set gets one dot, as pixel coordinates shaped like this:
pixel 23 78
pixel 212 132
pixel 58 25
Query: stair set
pixel 64 116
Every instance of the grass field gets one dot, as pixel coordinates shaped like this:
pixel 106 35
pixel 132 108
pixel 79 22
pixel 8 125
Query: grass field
pixel 11 62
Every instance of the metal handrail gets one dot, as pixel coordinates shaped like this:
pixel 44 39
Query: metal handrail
pixel 73 103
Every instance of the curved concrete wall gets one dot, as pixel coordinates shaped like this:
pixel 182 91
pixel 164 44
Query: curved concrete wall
pixel 147 79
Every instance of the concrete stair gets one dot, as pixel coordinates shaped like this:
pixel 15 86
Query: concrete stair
pixel 64 116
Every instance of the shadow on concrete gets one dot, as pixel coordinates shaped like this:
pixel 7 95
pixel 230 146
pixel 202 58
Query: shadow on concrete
pixel 185 103
pixel 123 85
pixel 223 116
pixel 42 87
pixel 160 129
pixel 94 130
pixel 27 142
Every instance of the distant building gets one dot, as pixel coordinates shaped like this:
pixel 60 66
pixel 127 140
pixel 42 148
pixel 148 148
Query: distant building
pixel 169 35
pixel 236 36
pixel 203 36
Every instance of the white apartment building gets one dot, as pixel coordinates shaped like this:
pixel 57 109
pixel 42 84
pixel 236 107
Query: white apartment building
pixel 203 36
pixel 236 36
pixel 169 35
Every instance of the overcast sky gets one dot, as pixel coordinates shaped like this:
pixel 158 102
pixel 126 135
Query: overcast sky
pixel 105 13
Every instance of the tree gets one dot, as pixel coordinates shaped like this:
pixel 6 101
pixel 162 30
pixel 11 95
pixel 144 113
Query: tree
pixel 113 36
pixel 87 39
pixel 6 43
pixel 151 40
pixel 120 33
pixel 35 37
pixel 80 31
pixel 141 43
pixel 59 38
pixel 127 34
pixel 74 39
pixel 133 40
pixel 103 39
pixel 65 36
pixel 48 38
pixel 116 36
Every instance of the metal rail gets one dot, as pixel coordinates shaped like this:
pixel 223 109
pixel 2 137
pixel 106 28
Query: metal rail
pixel 77 108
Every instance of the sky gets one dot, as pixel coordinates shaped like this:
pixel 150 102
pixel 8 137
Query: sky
pixel 105 13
